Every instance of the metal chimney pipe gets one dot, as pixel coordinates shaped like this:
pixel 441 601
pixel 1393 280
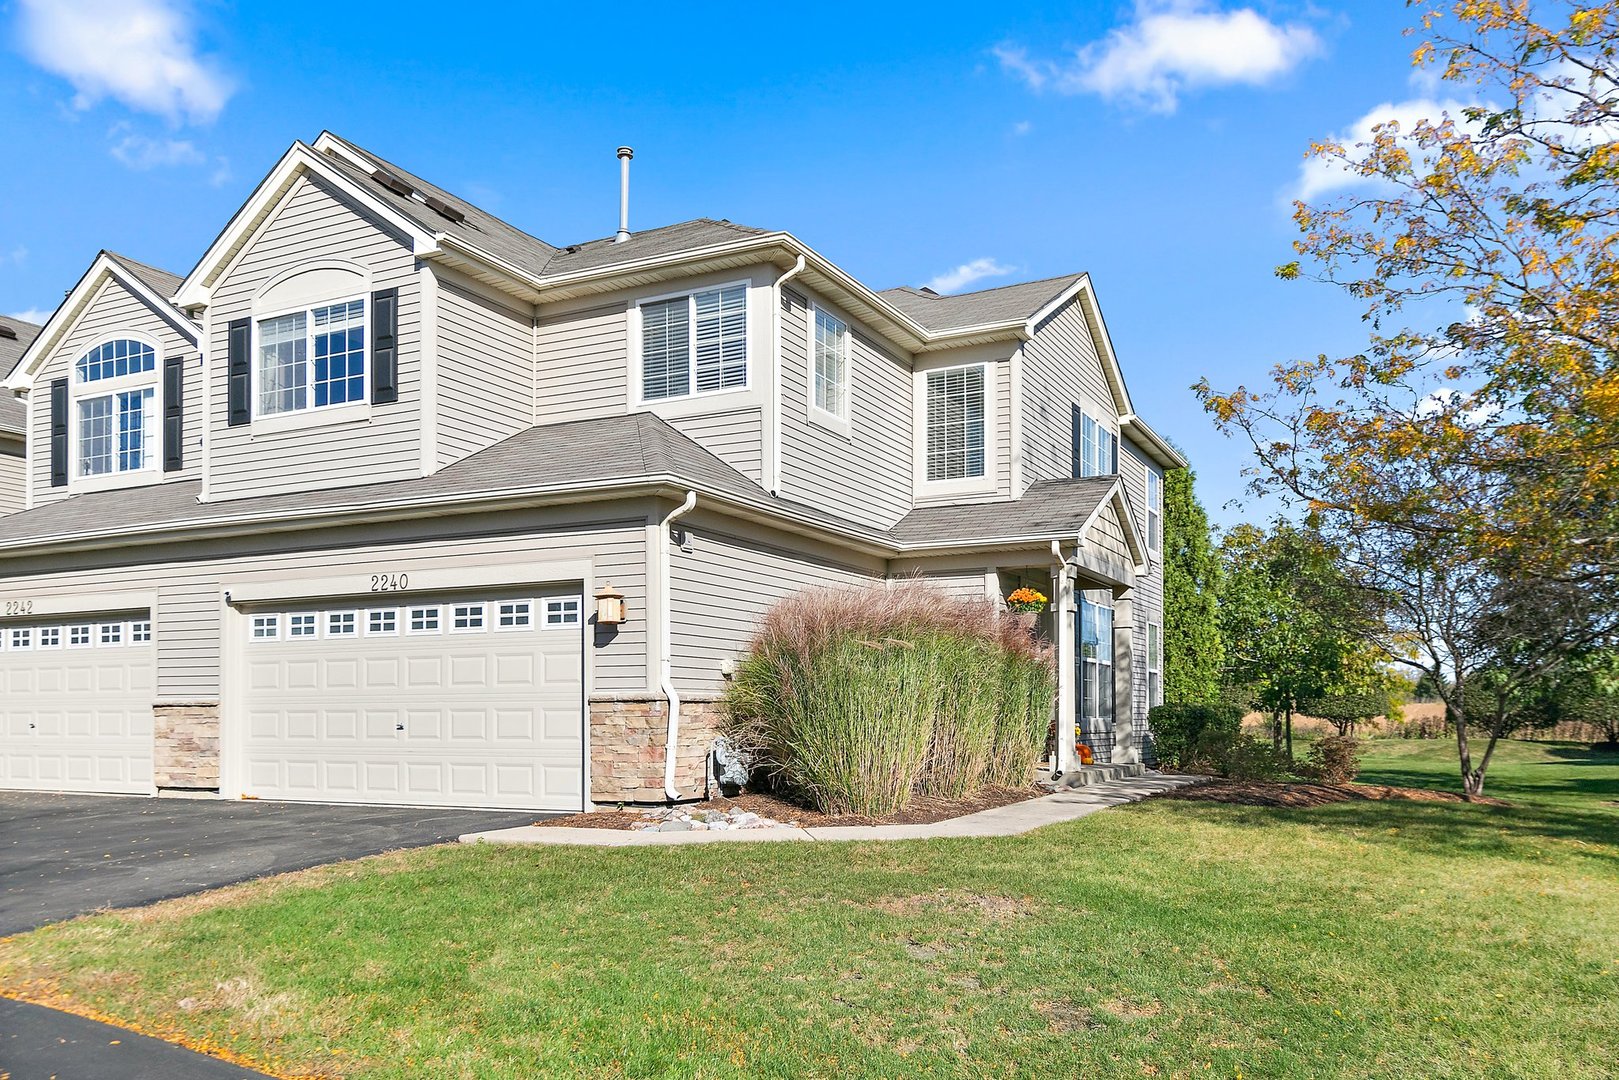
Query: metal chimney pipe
pixel 624 155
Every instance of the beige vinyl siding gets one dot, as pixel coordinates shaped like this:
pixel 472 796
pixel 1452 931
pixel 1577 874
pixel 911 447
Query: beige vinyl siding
pixel 190 579
pixel 1060 370
pixel 968 584
pixel 1149 589
pixel 581 361
pixel 1107 535
pixel 723 587
pixel 113 311
pixel 866 476
pixel 13 478
pixel 735 437
pixel 313 224
pixel 485 373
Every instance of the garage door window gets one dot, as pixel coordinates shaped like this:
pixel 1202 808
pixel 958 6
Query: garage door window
pixel 22 637
pixel 50 637
pixel 515 615
pixel 562 612
pixel 140 633
pixel 467 619
pixel 384 623
pixel 301 625
pixel 266 627
pixel 78 637
pixel 424 620
pixel 112 633
pixel 342 624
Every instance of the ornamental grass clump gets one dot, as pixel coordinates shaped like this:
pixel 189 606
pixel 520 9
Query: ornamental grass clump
pixel 855 700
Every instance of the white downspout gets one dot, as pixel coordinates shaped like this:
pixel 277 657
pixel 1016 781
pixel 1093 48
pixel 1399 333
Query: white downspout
pixel 775 397
pixel 666 679
pixel 1062 616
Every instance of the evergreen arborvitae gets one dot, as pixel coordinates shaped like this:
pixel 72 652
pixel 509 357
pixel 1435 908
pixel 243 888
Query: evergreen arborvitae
pixel 1193 653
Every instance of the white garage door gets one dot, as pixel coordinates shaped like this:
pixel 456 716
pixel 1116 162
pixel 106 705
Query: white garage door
pixel 459 701
pixel 76 704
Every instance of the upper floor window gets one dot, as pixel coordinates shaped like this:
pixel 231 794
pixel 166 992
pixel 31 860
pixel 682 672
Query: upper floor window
pixel 115 408
pixel 1155 664
pixel 831 365
pixel 312 358
pixel 1155 509
pixel 1098 448
pixel 694 344
pixel 955 423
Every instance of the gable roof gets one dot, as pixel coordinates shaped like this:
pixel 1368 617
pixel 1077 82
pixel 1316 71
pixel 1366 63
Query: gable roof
pixel 1004 303
pixel 153 286
pixel 13 414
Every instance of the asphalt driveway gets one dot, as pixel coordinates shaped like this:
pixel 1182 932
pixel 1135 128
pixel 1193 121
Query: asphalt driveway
pixel 65 855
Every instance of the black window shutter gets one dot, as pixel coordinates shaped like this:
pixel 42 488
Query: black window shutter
pixel 58 433
pixel 1077 462
pixel 238 345
pixel 384 348
pixel 174 429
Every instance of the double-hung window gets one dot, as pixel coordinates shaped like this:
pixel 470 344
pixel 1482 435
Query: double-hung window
pixel 1096 674
pixel 956 423
pixel 1155 509
pixel 1155 664
pixel 115 409
pixel 1098 448
pixel 694 344
pixel 312 359
pixel 830 373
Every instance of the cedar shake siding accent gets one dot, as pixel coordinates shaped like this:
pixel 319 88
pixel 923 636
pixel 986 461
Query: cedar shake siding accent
pixel 485 372
pixel 115 311
pixel 866 475
pixel 314 224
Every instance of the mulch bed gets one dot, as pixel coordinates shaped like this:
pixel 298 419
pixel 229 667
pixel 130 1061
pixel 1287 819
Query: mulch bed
pixel 922 811
pixel 1274 793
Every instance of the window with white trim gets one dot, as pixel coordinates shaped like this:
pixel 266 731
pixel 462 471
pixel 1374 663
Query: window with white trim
pixel 50 637
pixel 383 622
pixel 424 620
pixel 112 633
pixel 1155 664
pixel 115 409
pixel 1155 509
pixel 342 624
pixel 311 359
pixel 563 612
pixel 140 632
pixel 1096 668
pixel 694 344
pixel 266 627
pixel 830 370
pixel 514 614
pixel 302 624
pixel 956 423
pixel 467 618
pixel 1098 448
pixel 78 636
pixel 22 637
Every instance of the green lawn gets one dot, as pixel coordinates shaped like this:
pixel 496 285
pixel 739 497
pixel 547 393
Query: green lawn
pixel 1165 939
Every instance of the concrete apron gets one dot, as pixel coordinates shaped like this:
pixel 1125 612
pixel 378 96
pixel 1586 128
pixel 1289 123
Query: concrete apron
pixel 1012 820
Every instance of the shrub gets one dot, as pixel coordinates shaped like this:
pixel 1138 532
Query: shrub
pixel 1333 760
pixel 1247 758
pixel 855 699
pixel 1178 731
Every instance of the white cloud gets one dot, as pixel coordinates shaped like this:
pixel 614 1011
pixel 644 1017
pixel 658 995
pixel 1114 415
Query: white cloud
pixel 1022 127
pixel 1450 400
pixel 1167 49
pixel 139 52
pixel 967 274
pixel 37 316
pixel 140 152
pixel 1319 176
pixel 16 256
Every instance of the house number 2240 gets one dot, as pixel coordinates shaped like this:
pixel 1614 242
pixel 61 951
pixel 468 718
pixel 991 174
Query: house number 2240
pixel 389 582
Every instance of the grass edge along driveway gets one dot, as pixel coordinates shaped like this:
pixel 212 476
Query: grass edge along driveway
pixel 1164 939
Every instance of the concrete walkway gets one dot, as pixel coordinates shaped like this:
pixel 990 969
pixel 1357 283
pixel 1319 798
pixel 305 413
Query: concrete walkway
pixel 1068 805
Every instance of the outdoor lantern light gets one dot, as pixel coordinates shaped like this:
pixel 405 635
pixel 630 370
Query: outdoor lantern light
pixel 609 605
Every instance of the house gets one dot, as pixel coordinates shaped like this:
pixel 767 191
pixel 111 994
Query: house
pixel 15 336
pixel 389 501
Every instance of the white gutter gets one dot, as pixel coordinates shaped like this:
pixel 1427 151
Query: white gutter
pixel 775 398
pixel 666 677
pixel 1062 618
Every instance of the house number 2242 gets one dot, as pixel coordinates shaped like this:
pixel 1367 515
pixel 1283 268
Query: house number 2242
pixel 19 607
pixel 389 582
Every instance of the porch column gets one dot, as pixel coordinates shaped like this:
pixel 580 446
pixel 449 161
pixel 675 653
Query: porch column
pixel 1062 617
pixel 1126 747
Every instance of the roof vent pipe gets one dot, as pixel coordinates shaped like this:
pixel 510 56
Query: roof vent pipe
pixel 624 155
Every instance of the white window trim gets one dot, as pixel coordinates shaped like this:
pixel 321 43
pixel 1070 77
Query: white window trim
pixel 844 424
pixel 636 347
pixel 272 623
pixel 39 637
pixel 542 614
pixel 89 641
pixel 411 631
pixel 325 623
pixel 101 635
pixel 533 615
pixel 976 485
pixel 483 608
pixel 1155 663
pixel 311 415
pixel 27 633
pixel 288 618
pixel 1155 511
pixel 83 391
pixel 366 628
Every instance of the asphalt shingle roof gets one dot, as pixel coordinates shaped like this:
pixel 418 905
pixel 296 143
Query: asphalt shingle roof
pixel 159 281
pixel 1055 508
pixel 1003 304
pixel 667 239
pixel 13 416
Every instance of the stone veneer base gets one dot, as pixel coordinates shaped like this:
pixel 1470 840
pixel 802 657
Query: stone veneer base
pixel 627 737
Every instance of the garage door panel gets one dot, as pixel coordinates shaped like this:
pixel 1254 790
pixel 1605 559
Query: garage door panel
pixel 475 717
pixel 76 712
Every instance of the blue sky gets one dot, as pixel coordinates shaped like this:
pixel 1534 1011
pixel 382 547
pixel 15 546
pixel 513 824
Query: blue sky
pixel 1156 145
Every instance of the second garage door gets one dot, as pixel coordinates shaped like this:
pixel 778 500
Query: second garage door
pixel 454 701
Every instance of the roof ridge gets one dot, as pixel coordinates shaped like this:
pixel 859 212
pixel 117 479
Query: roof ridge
pixel 1074 275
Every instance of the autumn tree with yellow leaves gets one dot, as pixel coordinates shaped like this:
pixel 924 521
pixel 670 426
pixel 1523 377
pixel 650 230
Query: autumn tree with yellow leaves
pixel 1469 457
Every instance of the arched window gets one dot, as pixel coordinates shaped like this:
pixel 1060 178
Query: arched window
pixel 115 409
